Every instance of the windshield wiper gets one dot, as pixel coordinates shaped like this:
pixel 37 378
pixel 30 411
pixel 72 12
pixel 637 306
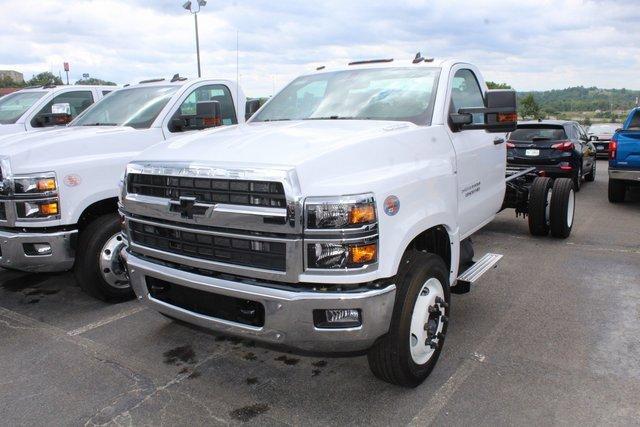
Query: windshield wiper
pixel 337 118
pixel 100 124
pixel 274 120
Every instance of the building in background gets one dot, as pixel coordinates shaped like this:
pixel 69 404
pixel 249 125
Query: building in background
pixel 13 75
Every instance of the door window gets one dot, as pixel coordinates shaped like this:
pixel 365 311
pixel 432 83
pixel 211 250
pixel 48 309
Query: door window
pixel 466 93
pixel 78 100
pixel 218 93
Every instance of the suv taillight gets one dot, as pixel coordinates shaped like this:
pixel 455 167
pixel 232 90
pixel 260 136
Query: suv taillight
pixel 563 146
pixel 510 144
pixel 613 146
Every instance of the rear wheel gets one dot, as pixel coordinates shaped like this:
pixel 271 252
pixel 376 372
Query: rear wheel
pixel 98 269
pixel 577 179
pixel 563 204
pixel 539 205
pixel 407 354
pixel 617 190
pixel 591 176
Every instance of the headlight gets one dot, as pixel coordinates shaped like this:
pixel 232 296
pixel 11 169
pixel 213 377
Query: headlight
pixel 339 213
pixel 42 183
pixel 336 232
pixel 38 209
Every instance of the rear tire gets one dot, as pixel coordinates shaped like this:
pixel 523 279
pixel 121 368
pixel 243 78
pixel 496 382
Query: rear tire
pixel 88 269
pixel 563 203
pixel 403 356
pixel 617 190
pixel 577 179
pixel 591 176
pixel 539 199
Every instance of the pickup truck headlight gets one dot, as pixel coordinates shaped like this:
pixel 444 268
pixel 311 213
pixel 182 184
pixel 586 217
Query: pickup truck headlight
pixel 34 209
pixel 336 232
pixel 341 212
pixel 35 184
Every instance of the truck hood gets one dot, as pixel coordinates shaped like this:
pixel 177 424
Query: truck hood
pixel 40 151
pixel 280 144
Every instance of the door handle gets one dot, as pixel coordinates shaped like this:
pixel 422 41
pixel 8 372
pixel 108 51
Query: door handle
pixel 498 141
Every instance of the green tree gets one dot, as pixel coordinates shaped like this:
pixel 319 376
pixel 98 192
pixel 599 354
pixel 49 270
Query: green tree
pixel 530 108
pixel 586 121
pixel 494 85
pixel 9 82
pixel 42 79
pixel 95 81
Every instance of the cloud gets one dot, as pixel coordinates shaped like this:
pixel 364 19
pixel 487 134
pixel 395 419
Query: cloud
pixel 531 44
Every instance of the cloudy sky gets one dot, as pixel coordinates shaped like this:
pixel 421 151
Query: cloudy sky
pixel 531 44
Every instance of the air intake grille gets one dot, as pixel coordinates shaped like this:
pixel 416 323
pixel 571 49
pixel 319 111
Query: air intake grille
pixel 237 251
pixel 208 190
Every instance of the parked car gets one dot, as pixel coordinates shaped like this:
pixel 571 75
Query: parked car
pixel 600 134
pixel 556 148
pixel 46 107
pixel 624 158
pixel 59 189
pixel 334 220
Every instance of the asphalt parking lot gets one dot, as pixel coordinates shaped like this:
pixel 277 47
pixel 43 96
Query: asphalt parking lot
pixel 550 337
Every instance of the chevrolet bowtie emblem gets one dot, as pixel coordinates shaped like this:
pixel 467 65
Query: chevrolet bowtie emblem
pixel 187 207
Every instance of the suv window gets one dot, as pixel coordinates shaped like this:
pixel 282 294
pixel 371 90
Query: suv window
pixel 78 100
pixel 215 92
pixel 466 93
pixel 538 133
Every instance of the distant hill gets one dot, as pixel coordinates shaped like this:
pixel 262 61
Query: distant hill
pixel 584 99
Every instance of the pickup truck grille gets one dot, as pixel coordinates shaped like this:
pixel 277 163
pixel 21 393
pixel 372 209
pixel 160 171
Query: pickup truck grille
pixel 209 190
pixel 239 251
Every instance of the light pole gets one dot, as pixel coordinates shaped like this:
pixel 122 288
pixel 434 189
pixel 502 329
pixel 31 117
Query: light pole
pixel 194 8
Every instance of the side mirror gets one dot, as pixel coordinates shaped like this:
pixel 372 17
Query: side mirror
pixel 60 115
pixel 618 130
pixel 208 115
pixel 251 107
pixel 500 113
pixel 593 138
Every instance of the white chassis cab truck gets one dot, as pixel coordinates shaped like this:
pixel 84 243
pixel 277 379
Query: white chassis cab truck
pixel 59 189
pixel 46 107
pixel 337 219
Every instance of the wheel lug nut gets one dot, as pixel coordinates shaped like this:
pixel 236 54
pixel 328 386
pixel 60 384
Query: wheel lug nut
pixel 444 319
pixel 440 336
pixel 433 309
pixel 442 302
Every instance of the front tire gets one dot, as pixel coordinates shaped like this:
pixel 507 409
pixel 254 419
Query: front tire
pixel 97 269
pixel 563 204
pixel 617 190
pixel 407 354
pixel 577 179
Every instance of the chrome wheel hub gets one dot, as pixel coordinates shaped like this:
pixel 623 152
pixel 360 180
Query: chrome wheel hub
pixel 113 270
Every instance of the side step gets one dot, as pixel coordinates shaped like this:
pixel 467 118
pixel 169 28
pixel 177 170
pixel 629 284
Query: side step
pixel 473 273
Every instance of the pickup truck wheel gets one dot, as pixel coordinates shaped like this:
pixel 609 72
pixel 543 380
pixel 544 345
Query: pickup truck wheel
pixel 617 190
pixel 591 176
pixel 407 354
pixel 98 268
pixel 577 179
pixel 539 206
pixel 563 204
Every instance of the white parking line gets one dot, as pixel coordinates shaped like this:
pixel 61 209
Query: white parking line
pixel 106 320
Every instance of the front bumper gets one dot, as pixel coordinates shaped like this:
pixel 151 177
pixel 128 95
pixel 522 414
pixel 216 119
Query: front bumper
pixel 625 175
pixel 288 317
pixel 13 253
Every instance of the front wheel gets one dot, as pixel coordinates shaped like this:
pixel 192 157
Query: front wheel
pixel 98 269
pixel 407 354
pixel 591 176
pixel 577 179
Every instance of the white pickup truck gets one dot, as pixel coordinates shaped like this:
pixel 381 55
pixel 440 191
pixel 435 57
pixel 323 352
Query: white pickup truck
pixel 46 107
pixel 59 189
pixel 337 219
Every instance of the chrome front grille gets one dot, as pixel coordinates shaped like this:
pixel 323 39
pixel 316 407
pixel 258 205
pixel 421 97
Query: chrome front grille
pixel 208 190
pixel 243 251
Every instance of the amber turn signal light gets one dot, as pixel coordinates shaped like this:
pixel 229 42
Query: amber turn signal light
pixel 49 208
pixel 362 214
pixel 507 117
pixel 47 184
pixel 363 254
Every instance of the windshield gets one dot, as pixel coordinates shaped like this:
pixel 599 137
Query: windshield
pixel 404 94
pixel 538 134
pixel 136 107
pixel 14 105
pixel 607 128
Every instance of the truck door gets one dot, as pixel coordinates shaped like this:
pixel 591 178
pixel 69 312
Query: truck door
pixel 187 107
pixel 480 157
